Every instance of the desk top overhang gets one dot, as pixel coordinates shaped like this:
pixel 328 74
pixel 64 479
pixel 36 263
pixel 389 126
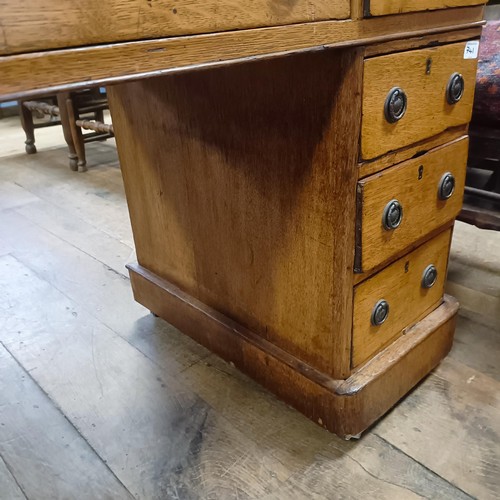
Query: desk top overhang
pixel 47 45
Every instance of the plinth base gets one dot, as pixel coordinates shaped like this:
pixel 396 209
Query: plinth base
pixel 344 407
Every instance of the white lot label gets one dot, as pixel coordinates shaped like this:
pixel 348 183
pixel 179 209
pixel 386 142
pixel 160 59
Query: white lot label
pixel 471 49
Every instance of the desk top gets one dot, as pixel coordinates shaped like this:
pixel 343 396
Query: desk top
pixel 48 44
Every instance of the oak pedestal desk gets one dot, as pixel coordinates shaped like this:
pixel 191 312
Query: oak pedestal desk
pixel 292 170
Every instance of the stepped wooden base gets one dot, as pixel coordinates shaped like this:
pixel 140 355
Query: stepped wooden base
pixel 345 407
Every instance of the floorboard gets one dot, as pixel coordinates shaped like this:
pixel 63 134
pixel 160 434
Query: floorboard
pixel 371 468
pixel 477 346
pixel 323 465
pixel 159 438
pixel 79 234
pixel 451 425
pixel 12 195
pixel 474 273
pixel 42 450
pixel 99 290
pixel 9 488
pixel 98 199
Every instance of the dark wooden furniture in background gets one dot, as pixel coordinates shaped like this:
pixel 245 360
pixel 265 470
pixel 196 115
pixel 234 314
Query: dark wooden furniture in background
pixel 74 111
pixel 45 107
pixel 293 173
pixel 482 192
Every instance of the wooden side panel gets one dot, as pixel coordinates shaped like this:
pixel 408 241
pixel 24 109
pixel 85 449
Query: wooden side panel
pixel 400 285
pixel 423 75
pixel 384 7
pixel 414 183
pixel 241 187
pixel 48 24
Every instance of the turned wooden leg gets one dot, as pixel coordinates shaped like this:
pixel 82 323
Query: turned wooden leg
pixel 28 127
pixel 76 134
pixel 65 122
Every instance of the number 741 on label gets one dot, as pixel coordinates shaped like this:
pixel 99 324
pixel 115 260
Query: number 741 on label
pixel 471 49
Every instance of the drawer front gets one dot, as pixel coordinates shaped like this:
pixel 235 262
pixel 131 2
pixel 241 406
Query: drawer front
pixel 413 191
pixel 400 288
pixel 384 7
pixel 24 24
pixel 422 79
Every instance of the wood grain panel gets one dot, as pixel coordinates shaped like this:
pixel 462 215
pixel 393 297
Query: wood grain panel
pixel 25 24
pixel 428 111
pixel 232 177
pixel 423 211
pixel 400 285
pixel 384 7
pixel 103 64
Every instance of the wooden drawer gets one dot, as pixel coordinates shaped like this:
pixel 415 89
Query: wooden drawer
pixel 414 184
pixel 384 7
pixel 400 285
pixel 25 24
pixel 423 76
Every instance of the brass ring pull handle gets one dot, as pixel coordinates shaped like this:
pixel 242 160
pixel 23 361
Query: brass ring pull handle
pixel 392 216
pixel 395 105
pixel 429 277
pixel 446 186
pixel 455 88
pixel 380 312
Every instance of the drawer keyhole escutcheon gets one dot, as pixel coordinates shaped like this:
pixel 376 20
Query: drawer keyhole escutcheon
pixel 395 105
pixel 429 277
pixel 420 172
pixel 446 186
pixel 428 65
pixel 380 312
pixel 393 215
pixel 455 88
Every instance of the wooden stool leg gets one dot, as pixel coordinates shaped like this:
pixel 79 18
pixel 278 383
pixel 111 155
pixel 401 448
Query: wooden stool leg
pixel 28 127
pixel 65 122
pixel 76 133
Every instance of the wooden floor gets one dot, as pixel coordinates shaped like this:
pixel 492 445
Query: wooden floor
pixel 99 399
